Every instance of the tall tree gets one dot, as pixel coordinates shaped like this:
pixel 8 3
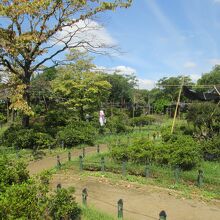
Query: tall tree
pixel 30 36
pixel 122 87
pixel 211 78
pixel 81 89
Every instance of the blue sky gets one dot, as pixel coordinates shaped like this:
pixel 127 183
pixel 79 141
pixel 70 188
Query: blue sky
pixel 164 38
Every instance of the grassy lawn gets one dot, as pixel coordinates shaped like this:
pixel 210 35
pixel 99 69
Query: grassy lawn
pixel 90 213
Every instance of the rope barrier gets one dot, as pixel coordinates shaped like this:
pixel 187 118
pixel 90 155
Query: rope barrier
pixel 110 204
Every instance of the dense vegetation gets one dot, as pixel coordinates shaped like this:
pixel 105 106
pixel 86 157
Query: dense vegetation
pixel 19 191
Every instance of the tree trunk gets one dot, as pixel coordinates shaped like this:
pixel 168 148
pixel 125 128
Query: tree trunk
pixel 26 97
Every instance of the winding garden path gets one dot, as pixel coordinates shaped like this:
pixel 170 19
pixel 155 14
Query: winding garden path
pixel 37 166
pixel 141 202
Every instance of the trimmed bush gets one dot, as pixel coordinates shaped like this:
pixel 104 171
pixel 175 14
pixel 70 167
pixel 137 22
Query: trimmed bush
pixel 77 132
pixel 182 151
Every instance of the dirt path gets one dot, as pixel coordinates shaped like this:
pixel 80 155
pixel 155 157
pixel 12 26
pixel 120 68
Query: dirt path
pixel 140 202
pixel 35 167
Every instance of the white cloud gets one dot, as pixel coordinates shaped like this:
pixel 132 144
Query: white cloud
pixel 123 70
pixel 214 61
pixel 126 70
pixel 189 65
pixel 88 33
pixel 195 77
pixel 216 1
pixel 146 84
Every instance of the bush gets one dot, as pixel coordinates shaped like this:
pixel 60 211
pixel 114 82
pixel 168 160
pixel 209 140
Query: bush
pixel 25 198
pixel 12 172
pixel 142 120
pixel 211 149
pixel 118 124
pixel 77 132
pixel 21 202
pixel 62 205
pixel 21 138
pixel 180 151
pixel 184 152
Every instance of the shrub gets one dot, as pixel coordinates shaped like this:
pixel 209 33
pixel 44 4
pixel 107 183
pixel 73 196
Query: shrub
pixel 211 149
pixel 25 198
pixel 140 151
pixel 77 132
pixel 21 202
pixel 12 172
pixel 181 150
pixel 62 205
pixel 118 124
pixel 142 120
pixel 21 138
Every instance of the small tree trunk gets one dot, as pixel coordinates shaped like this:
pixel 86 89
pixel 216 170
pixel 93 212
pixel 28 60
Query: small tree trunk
pixel 26 97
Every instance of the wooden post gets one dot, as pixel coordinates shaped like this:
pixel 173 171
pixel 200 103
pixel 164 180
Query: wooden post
pixel 200 178
pixel 84 196
pixel 84 152
pixel 80 163
pixel 69 156
pixel 98 148
pixel 176 174
pixel 103 164
pixel 124 168
pixel 147 171
pixel 58 162
pixel 62 144
pixel 120 209
pixel 154 136
pixel 177 104
pixel 59 186
pixel 162 215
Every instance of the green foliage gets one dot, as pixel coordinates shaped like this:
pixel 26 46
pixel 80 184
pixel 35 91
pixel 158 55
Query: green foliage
pixel 118 123
pixel 21 202
pixel 205 118
pixel 211 148
pixel 54 121
pixel 212 78
pixel 184 152
pixel 25 198
pixel 90 213
pixel 82 89
pixel 181 150
pixel 12 172
pixel 62 205
pixel 77 132
pixel 160 104
pixel 2 118
pixel 122 87
pixel 142 120
pixel 21 138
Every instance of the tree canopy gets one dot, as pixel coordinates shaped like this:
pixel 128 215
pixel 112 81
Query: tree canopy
pixel 30 37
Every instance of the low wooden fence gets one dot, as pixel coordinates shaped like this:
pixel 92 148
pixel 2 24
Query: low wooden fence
pixel 119 206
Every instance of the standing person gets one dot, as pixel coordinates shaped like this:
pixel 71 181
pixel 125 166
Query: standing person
pixel 102 118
